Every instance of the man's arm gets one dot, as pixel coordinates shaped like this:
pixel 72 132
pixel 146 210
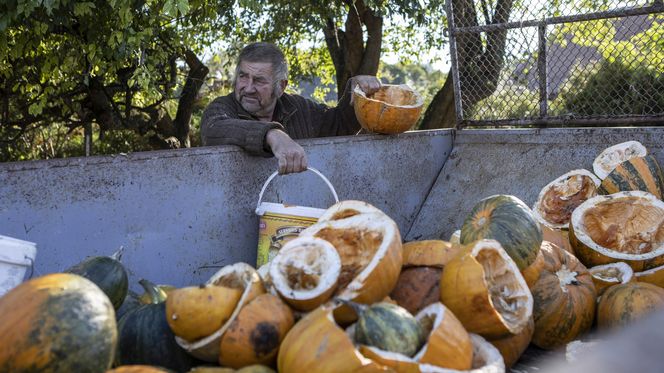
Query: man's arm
pixel 220 126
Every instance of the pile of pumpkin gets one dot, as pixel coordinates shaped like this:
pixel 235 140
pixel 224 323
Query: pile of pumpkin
pixel 348 295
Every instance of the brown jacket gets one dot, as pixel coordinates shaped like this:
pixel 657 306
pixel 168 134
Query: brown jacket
pixel 225 122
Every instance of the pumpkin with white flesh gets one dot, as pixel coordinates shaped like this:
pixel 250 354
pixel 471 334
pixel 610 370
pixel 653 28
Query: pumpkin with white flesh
pixel 305 272
pixel 509 221
pixel 607 275
pixel 559 198
pixel 564 299
pixel 370 249
pixel 239 276
pixel 614 155
pixel 625 226
pixel 485 290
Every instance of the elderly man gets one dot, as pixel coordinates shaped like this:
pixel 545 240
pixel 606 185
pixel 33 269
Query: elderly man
pixel 262 119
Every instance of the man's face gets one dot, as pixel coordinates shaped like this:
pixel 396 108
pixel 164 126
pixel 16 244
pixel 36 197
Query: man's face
pixel 254 88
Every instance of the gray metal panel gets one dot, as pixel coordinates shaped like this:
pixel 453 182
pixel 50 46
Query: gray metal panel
pixel 517 162
pixel 181 214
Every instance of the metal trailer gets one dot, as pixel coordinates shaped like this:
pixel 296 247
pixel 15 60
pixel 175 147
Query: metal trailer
pixel 182 214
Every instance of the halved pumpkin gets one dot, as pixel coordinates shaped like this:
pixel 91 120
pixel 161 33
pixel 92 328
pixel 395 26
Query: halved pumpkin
pixel 195 312
pixel 509 221
pixel 607 275
pixel 240 276
pixel 305 272
pixel 614 155
pixel 559 198
pixel 255 334
pixel 623 304
pixel 447 345
pixel 625 226
pixel 317 344
pixel 485 290
pixel 486 359
pixel 640 173
pixel 392 109
pixel 369 245
pixel 348 208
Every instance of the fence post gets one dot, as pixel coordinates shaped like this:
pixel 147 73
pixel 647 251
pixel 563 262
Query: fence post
pixel 454 68
pixel 541 71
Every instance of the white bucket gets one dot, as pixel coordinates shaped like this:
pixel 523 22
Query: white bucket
pixel 16 256
pixel 280 223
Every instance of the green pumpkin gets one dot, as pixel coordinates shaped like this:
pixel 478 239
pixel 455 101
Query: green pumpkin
pixel 388 327
pixel 107 273
pixel 509 221
pixel 144 337
pixel 641 173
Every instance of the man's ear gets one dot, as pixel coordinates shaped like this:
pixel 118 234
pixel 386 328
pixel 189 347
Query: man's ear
pixel 282 86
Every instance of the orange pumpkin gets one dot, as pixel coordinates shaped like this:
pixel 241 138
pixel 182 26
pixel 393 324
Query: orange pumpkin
pixel 138 369
pixel 392 109
pixel 56 323
pixel 513 346
pixel 621 304
pixel 564 299
pixel 256 333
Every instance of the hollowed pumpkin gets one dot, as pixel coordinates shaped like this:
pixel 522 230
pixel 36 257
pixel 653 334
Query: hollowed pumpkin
pixel 485 290
pixel 509 221
pixel 390 110
pixel 653 276
pixel 607 275
pixel 139 369
pixel 305 272
pixel 625 226
pixel 255 334
pixel 559 198
pixel 614 155
pixel 56 323
pixel 317 344
pixel 430 253
pixel 623 304
pixel 447 345
pixel 240 276
pixel 564 299
pixel 369 245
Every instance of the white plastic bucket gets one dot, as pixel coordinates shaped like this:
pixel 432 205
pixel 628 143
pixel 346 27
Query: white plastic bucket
pixel 279 223
pixel 16 256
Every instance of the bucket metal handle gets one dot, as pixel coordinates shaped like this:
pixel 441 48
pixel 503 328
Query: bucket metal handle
pixel 269 179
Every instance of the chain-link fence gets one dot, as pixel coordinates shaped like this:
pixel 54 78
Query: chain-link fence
pixel 557 62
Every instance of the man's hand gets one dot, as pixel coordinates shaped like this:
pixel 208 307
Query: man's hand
pixel 290 154
pixel 368 83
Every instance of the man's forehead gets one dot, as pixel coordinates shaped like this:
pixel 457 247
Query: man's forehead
pixel 256 68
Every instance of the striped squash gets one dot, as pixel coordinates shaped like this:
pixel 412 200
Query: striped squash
pixel 641 173
pixel 509 221
pixel 622 304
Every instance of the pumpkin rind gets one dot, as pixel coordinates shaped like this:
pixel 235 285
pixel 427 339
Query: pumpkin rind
pixel 430 253
pixel 607 275
pixel 622 304
pixel 624 219
pixel 616 154
pixel 564 299
pixel 559 198
pixel 509 221
pixel 640 173
pixel 255 334
pixel 57 323
pixel 107 273
pixel 485 291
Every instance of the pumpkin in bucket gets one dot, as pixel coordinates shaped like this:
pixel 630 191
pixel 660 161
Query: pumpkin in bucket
pixel 390 110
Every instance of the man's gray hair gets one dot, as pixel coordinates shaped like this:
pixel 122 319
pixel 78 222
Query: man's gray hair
pixel 265 52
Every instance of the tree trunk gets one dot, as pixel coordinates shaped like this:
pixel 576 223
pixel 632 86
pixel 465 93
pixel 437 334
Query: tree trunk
pixel 441 112
pixel 197 73
pixel 479 64
pixel 349 52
